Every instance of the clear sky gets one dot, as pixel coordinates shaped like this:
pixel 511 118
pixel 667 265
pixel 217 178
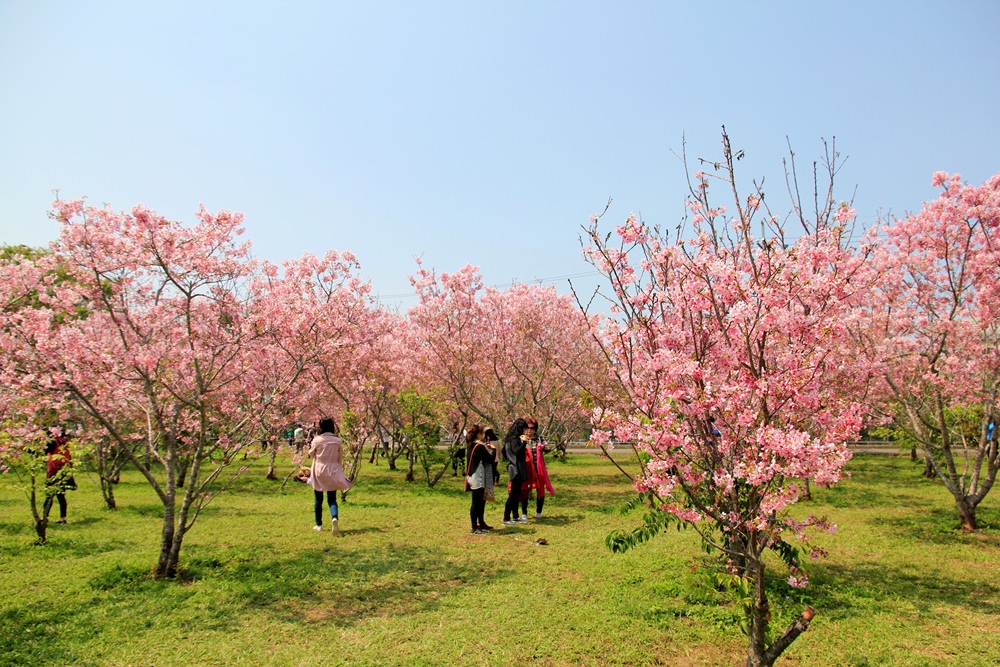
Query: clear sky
pixel 476 132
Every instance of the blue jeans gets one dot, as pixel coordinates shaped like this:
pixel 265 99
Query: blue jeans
pixel 331 498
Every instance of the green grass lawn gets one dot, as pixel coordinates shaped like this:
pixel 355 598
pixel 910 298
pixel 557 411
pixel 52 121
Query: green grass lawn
pixel 406 584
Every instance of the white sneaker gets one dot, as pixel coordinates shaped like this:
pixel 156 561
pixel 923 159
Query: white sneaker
pixel 538 515
pixel 317 527
pixel 522 519
pixel 508 522
pixel 335 528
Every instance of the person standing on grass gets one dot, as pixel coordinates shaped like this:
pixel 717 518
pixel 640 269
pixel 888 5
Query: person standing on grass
pixel 58 474
pixel 493 442
pixel 537 471
pixel 479 477
pixel 327 472
pixel 517 469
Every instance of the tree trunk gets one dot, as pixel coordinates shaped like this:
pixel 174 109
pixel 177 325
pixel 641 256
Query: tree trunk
pixel 108 493
pixel 966 515
pixel 166 566
pixel 412 460
pixel 758 617
pixel 41 520
pixel 929 468
pixel 759 654
pixel 270 464
pixel 431 481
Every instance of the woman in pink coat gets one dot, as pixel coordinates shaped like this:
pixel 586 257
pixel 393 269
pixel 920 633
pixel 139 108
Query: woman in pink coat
pixel 327 472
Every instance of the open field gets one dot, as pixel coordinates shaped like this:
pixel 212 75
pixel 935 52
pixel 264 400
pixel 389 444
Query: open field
pixel 407 584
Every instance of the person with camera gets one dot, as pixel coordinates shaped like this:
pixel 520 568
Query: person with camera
pixel 517 469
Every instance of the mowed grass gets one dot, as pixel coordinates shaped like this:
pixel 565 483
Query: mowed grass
pixel 406 584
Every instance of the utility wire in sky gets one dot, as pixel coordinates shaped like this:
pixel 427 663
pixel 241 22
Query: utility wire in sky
pixel 536 281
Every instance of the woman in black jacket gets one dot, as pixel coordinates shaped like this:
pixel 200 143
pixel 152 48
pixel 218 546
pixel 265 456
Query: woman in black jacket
pixel 517 469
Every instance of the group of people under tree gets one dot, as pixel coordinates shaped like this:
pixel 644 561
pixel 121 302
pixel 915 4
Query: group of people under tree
pixel 523 452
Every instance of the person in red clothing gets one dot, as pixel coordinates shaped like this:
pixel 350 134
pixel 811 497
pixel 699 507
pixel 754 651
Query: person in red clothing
pixel 538 475
pixel 58 473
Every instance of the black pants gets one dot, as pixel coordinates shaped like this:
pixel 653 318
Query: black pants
pixel 331 498
pixel 478 508
pixel 513 498
pixel 61 497
pixel 539 501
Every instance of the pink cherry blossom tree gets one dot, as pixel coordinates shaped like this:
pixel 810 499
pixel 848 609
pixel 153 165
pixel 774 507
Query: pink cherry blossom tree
pixel 21 459
pixel 341 343
pixel 936 329
pixel 174 351
pixel 503 354
pixel 735 379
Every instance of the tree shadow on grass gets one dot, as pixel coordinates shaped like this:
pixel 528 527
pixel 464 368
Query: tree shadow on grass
pixel 932 524
pixel 859 590
pixel 561 519
pixel 343 532
pixel 143 509
pixel 62 540
pixel 593 493
pixel 24 638
pixel 321 586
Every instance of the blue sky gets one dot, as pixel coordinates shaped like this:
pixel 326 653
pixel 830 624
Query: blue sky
pixel 474 132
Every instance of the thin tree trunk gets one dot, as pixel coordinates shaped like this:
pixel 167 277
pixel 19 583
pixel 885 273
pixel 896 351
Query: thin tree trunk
pixel 108 493
pixel 165 566
pixel 412 460
pixel 929 468
pixel 41 520
pixel 758 617
pixel 431 481
pixel 270 463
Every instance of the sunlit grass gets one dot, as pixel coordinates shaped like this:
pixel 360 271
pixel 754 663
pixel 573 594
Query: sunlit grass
pixel 406 584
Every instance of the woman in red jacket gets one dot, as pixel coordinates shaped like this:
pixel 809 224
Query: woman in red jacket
pixel 58 474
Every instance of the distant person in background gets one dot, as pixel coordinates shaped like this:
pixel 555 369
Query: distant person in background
pixel 517 469
pixel 327 472
pixel 299 436
pixel 479 478
pixel 459 448
pixel 58 474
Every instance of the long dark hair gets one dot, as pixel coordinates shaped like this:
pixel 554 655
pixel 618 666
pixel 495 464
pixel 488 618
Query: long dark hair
pixel 516 430
pixel 470 440
pixel 327 425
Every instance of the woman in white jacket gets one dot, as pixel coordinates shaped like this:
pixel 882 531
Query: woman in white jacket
pixel 327 472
